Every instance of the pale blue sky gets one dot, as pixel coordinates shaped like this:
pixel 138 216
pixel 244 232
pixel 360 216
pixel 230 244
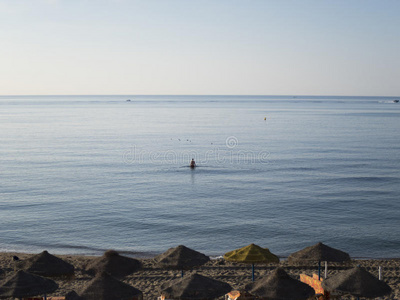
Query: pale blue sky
pixel 270 47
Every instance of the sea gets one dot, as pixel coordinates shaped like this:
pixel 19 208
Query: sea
pixel 83 174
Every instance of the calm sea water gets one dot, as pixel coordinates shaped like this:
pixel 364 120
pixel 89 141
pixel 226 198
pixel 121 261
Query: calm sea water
pixel 82 174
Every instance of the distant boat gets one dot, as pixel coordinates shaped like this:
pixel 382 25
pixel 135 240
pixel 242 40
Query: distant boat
pixel 129 100
pixel 396 101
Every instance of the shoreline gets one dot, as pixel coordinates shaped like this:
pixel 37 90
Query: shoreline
pixel 151 277
pixel 151 255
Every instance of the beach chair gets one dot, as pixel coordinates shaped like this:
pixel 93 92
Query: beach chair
pixel 315 283
pixel 42 298
pixel 239 295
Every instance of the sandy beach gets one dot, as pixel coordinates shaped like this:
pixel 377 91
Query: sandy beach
pixel 151 277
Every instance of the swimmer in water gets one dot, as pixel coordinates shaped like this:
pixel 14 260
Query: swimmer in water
pixel 192 163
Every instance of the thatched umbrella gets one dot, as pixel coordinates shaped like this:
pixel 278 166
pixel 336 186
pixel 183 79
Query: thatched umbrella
pixel 251 254
pixel 106 287
pixel 195 286
pixel 357 282
pixel 181 258
pixel 114 264
pixel 23 284
pixel 319 252
pixel 280 286
pixel 45 264
pixel 72 295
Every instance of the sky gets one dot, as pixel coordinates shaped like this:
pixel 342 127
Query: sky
pixel 200 47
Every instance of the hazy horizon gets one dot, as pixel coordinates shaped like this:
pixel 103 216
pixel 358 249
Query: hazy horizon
pixel 200 95
pixel 121 47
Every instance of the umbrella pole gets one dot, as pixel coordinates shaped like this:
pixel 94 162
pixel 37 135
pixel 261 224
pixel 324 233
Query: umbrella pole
pixel 252 268
pixel 319 270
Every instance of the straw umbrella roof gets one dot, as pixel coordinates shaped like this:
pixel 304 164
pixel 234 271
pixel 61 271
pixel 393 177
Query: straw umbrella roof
pixel 252 254
pixel 357 282
pixel 106 287
pixel 195 286
pixel 114 264
pixel 280 286
pixel 181 257
pixel 45 264
pixel 23 284
pixel 319 252
pixel 72 295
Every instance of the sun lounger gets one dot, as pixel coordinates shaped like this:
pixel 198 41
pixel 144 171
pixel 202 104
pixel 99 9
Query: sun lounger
pixel 239 295
pixel 42 298
pixel 315 283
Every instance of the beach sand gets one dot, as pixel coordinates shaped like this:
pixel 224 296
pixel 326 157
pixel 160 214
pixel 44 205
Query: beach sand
pixel 150 278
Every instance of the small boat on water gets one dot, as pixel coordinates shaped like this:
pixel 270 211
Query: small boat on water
pixel 396 101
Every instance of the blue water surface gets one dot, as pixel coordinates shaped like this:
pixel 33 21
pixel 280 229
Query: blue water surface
pixel 82 174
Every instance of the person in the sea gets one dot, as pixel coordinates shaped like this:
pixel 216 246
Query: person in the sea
pixel 192 163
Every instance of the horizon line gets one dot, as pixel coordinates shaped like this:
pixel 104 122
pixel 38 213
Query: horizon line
pixel 197 95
